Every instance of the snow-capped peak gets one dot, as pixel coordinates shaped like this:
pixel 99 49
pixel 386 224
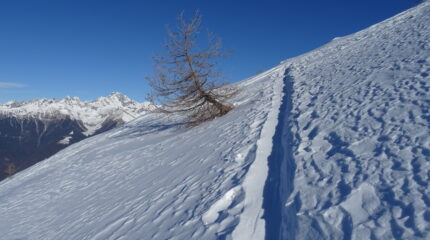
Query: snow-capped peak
pixel 118 95
pixel 116 106
pixel 115 99
pixel 333 144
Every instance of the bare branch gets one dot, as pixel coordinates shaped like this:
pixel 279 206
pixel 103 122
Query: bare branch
pixel 185 79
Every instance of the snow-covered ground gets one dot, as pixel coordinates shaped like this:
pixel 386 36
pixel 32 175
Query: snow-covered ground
pixel 150 179
pixel 361 137
pixel 333 144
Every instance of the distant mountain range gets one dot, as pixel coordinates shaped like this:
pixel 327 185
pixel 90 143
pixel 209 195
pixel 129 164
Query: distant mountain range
pixel 333 144
pixel 31 131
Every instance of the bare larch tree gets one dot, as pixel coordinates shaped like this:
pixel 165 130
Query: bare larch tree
pixel 186 79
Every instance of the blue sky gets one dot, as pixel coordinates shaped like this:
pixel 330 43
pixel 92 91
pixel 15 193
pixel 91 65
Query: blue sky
pixel 90 48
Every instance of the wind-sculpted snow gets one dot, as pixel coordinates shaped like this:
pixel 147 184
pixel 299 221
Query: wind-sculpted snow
pixel 153 178
pixel 361 117
pixel 334 144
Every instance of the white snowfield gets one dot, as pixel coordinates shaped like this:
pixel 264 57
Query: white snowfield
pixel 333 144
pixel 93 114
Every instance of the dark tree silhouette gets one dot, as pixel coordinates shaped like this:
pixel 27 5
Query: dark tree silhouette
pixel 186 79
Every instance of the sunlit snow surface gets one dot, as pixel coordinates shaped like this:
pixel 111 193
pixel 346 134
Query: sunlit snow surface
pixel 361 117
pixel 150 179
pixel 353 163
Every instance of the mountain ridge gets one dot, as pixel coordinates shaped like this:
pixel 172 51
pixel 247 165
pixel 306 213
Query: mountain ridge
pixel 34 130
pixel 349 159
pixel 92 113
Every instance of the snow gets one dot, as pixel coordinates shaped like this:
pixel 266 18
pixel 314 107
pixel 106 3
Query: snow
pixel 221 205
pixel 93 114
pixel 65 140
pixel 152 178
pixel 333 144
pixel 361 134
pixel 361 203
pixel 252 225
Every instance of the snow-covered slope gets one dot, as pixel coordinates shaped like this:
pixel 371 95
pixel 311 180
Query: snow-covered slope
pixel 150 179
pixel 92 114
pixel 360 145
pixel 333 144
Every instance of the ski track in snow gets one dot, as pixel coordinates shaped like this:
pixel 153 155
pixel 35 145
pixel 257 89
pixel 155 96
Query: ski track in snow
pixel 279 184
pixel 341 151
pixel 251 225
pixel 150 179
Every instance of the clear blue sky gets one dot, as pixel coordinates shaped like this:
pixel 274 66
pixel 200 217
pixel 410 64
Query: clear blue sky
pixel 90 48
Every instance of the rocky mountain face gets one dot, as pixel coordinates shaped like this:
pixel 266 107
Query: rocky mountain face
pixel 31 131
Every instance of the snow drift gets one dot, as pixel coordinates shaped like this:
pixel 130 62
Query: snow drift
pixel 333 144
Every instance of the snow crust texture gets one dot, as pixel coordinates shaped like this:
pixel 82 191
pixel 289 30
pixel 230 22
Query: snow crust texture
pixel 153 178
pixel 361 143
pixel 333 144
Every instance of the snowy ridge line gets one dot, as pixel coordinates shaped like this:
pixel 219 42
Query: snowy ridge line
pixel 92 114
pixel 352 39
pixel 252 224
pixel 362 135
